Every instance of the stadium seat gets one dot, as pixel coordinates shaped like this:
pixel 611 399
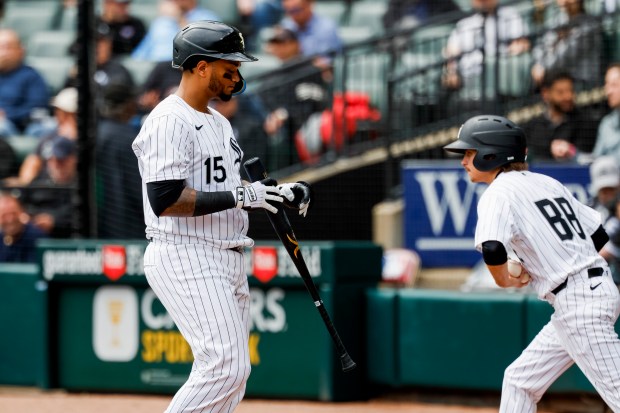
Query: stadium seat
pixel 225 9
pixel 27 17
pixel 53 69
pixel 368 14
pixel 351 34
pixel 264 64
pixel 22 145
pixel 50 43
pixel 139 69
pixel 367 73
pixel 253 71
pixel 146 12
pixel 67 19
pixel 335 10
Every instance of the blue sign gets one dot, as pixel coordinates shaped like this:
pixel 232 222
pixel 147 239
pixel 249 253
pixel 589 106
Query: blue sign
pixel 440 208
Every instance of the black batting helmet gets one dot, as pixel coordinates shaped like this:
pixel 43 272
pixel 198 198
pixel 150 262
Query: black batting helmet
pixel 497 140
pixel 210 39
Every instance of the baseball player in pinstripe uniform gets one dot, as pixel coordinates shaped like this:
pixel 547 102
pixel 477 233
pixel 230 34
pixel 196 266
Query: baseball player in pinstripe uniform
pixel 194 206
pixel 531 230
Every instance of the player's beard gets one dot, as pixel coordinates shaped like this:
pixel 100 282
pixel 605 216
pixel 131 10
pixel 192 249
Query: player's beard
pixel 217 88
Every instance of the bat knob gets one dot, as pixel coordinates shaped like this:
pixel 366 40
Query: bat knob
pixel 347 363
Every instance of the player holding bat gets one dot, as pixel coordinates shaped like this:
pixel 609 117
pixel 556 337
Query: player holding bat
pixel 556 240
pixel 195 213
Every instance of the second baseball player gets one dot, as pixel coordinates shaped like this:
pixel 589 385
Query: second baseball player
pixel 556 239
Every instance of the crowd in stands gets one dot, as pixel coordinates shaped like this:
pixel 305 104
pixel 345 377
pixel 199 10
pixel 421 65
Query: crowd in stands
pixel 284 121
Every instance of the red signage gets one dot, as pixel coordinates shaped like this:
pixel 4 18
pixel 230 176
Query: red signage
pixel 114 261
pixel 265 262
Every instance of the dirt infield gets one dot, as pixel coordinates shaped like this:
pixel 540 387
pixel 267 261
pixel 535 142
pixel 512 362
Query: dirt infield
pixel 27 400
pixel 60 402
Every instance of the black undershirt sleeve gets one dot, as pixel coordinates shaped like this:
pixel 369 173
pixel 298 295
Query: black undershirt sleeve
pixel 494 253
pixel 162 194
pixel 599 238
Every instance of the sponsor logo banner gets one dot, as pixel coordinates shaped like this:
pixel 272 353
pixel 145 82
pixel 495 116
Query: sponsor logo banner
pixel 440 208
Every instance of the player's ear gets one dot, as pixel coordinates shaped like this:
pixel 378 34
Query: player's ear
pixel 202 67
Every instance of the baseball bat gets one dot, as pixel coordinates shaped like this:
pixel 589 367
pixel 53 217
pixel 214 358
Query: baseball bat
pixel 256 172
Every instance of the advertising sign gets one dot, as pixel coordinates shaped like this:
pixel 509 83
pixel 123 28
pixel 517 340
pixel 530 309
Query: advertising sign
pixel 440 208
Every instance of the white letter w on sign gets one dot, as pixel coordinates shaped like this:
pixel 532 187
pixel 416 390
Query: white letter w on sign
pixel 450 202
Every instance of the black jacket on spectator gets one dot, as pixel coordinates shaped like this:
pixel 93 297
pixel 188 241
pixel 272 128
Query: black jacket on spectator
pixel 579 128
pixel 126 35
pixel 22 249
pixel 44 196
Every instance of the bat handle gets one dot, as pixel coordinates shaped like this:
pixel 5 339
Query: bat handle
pixel 347 362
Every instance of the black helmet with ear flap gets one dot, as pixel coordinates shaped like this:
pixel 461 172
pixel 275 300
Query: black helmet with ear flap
pixel 497 140
pixel 211 39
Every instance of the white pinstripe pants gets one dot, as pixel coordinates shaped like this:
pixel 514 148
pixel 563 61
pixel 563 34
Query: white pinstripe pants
pixel 581 331
pixel 205 291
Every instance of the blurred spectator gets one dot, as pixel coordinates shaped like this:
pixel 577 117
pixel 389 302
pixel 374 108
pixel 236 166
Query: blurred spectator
pixel 562 132
pixel 605 190
pixel 157 44
pixel 24 91
pixel 247 120
pixel 108 69
pixel 492 32
pixel 604 185
pixel 318 35
pixel 65 113
pixel 127 30
pixel 405 14
pixel 9 162
pixel 293 97
pixel 574 43
pixel 191 12
pixel 257 15
pixel 18 234
pixel 49 197
pixel 120 213
pixel 608 136
pixel 611 250
pixel 160 83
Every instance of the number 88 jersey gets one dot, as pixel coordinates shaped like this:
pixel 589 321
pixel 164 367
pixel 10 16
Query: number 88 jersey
pixel 542 222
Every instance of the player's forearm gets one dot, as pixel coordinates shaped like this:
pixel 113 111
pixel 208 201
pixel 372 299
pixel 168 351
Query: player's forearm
pixel 192 203
pixel 502 276
pixel 184 206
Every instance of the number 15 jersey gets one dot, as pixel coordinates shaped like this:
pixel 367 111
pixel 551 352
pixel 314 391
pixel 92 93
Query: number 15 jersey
pixel 541 221
pixel 177 142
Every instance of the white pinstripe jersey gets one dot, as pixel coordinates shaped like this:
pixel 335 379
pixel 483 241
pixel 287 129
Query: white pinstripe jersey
pixel 178 142
pixel 538 219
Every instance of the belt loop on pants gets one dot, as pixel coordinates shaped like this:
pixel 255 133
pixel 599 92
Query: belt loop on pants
pixel 592 272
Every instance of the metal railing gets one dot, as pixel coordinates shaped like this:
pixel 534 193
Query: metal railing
pixel 403 74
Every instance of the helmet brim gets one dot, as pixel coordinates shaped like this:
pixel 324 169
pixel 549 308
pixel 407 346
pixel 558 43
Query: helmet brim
pixel 238 57
pixel 458 146
pixel 233 57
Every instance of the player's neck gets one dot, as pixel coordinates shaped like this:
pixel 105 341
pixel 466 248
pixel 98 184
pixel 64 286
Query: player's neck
pixel 194 97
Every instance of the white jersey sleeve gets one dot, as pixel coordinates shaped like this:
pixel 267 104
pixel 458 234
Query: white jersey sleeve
pixel 495 220
pixel 163 147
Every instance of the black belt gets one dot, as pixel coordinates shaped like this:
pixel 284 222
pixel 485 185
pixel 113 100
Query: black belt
pixel 592 272
pixel 238 249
